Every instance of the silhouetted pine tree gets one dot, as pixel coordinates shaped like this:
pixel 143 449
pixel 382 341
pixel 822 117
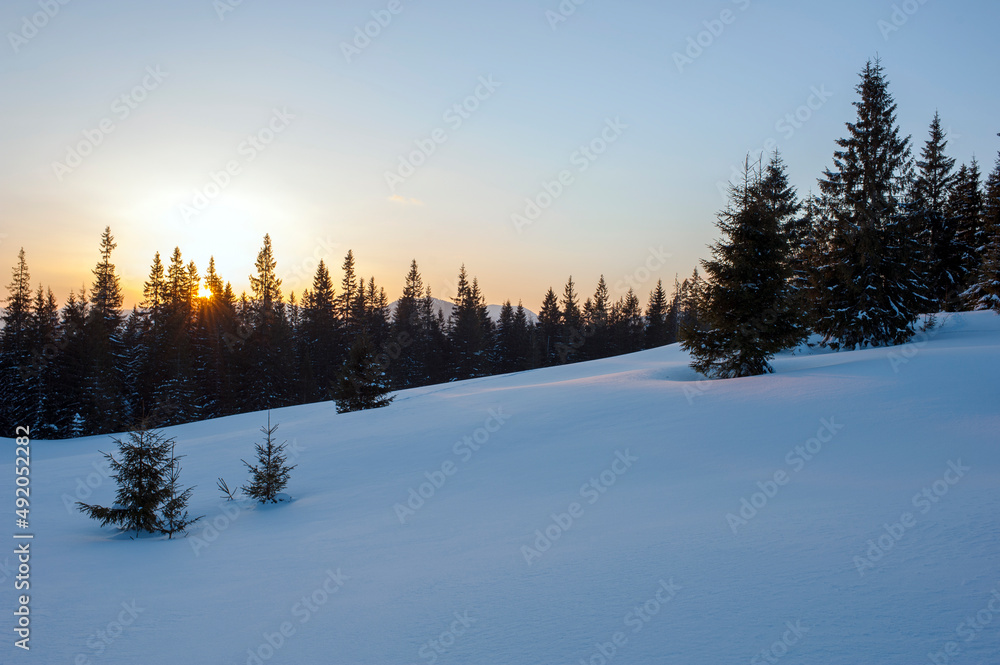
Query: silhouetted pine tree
pixel 747 316
pixel 44 343
pixel 18 403
pixel 938 229
pixel 571 336
pixel 627 325
pixel 965 206
pixel 869 288
pixel 985 292
pixel 67 409
pixel 348 296
pixel 267 348
pixel 549 328
pixel 320 330
pixel 104 392
pixel 657 330
pixel 408 333
pixel 435 351
pixel 469 330
pixel 363 383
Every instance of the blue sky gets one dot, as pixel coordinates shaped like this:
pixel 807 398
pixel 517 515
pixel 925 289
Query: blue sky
pixel 162 96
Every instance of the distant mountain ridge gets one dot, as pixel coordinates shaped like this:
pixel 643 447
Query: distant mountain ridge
pixel 446 309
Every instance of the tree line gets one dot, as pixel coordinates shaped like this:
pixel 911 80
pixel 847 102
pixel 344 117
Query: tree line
pixel 887 237
pixel 89 367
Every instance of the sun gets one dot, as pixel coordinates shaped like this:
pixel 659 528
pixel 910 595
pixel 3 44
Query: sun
pixel 205 292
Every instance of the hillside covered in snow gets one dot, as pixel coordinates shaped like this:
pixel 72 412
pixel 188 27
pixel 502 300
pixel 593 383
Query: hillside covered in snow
pixel 843 510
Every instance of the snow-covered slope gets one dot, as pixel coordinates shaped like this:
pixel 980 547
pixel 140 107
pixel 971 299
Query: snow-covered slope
pixel 844 510
pixel 446 308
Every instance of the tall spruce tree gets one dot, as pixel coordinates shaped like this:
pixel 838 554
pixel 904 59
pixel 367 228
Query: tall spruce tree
pixel 549 327
pixel 17 404
pixel 105 389
pixel 747 315
pixel 985 292
pixel 657 330
pixel 965 206
pixel 408 332
pixel 869 286
pixel 938 228
pixel 363 383
pixel 321 331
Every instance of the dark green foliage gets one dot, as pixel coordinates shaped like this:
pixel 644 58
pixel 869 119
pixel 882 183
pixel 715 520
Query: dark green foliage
pixel 658 331
pixel 867 281
pixel 363 383
pixel 937 226
pixel 985 291
pixel 149 498
pixel 746 315
pixel 271 473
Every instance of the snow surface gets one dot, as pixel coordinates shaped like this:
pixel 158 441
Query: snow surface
pixel 788 580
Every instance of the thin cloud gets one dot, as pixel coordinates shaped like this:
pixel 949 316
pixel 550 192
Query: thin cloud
pixel 396 198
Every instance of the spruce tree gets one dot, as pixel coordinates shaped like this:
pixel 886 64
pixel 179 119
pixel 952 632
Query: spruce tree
pixel 549 328
pixel 985 292
pixel 104 391
pixel 868 287
pixel 17 403
pixel 408 332
pixel 142 472
pixel 657 330
pixel 469 330
pixel 320 330
pixel 746 317
pixel 938 228
pixel 271 473
pixel 363 383
pixel 348 295
pixel 965 206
